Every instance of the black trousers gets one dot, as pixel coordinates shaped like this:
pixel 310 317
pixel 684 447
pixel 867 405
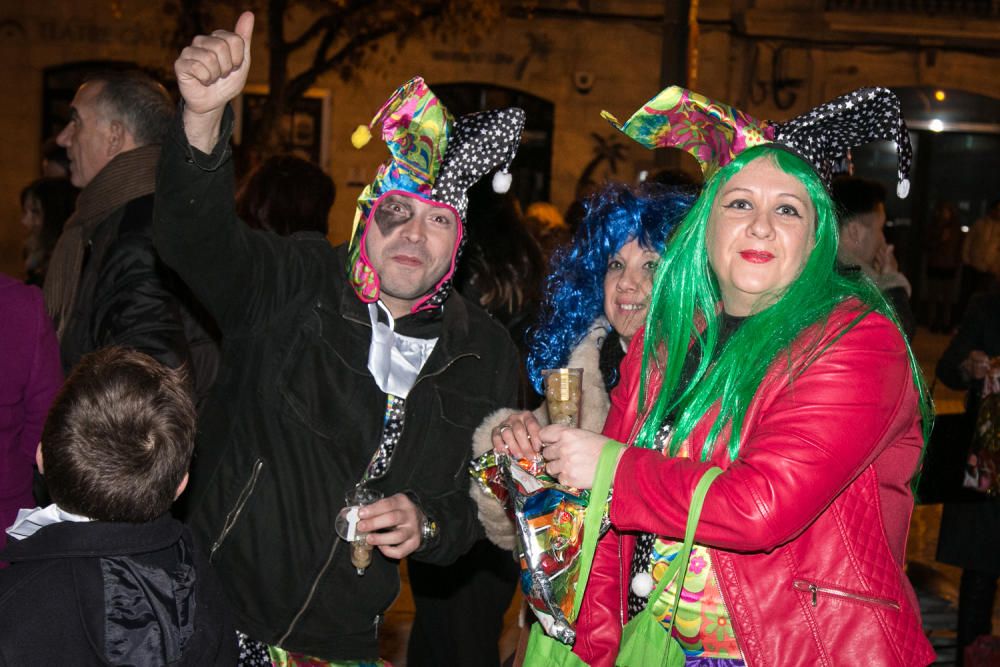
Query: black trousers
pixel 976 593
pixel 460 608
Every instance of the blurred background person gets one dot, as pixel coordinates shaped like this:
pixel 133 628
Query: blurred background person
pixel 46 204
pixel 970 531
pixel 546 224
pixel 105 284
pixel 502 268
pixel 943 263
pixel 55 160
pixel 30 377
pixel 287 195
pixel 861 218
pixel 980 255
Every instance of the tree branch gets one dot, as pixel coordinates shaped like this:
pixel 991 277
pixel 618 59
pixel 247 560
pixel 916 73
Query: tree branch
pixel 300 83
pixel 323 47
pixel 320 24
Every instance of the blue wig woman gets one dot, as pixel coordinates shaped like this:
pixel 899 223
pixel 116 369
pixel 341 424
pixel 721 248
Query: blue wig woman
pixel 596 297
pixel 581 304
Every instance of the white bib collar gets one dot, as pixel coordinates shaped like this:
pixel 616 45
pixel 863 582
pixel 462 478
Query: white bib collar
pixel 395 360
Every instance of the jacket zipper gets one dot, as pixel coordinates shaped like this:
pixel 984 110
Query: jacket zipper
pixel 816 590
pixel 234 513
pixel 312 592
pixel 725 603
pixel 625 570
pixel 336 542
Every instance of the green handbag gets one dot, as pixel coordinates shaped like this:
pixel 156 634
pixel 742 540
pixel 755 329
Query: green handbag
pixel 644 642
pixel 542 650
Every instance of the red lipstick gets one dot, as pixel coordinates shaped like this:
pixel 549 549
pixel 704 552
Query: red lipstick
pixel 756 256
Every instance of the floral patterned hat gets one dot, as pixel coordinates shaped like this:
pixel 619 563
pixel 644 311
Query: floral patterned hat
pixel 435 157
pixel 715 133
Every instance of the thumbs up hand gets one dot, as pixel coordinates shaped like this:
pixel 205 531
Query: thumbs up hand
pixel 211 72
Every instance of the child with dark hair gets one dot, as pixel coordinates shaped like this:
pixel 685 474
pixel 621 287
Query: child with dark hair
pixel 107 564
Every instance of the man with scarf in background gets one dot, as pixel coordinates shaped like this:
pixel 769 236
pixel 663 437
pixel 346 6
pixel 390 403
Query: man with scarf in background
pixel 105 285
pixel 342 368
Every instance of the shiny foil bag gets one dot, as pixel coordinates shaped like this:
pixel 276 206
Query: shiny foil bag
pixel 548 518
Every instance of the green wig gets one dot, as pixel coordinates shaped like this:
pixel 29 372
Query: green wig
pixel 686 292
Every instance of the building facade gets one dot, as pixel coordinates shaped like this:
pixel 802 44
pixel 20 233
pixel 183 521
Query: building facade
pixel 567 60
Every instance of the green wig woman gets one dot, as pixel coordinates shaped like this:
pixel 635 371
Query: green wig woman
pixel 686 297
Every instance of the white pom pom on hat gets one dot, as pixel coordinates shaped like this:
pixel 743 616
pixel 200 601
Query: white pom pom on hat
pixel 903 188
pixel 501 182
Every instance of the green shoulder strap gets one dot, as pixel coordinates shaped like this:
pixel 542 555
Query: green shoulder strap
pixel 680 562
pixel 595 513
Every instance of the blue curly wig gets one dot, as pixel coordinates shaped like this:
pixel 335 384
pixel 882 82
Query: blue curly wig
pixel 574 289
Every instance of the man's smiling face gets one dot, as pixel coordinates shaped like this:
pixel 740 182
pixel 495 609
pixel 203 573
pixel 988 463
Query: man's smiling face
pixel 410 243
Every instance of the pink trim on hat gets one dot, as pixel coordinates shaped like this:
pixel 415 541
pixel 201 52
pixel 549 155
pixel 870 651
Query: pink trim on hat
pixel 363 248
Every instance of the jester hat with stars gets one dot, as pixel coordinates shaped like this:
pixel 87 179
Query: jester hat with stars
pixel 714 133
pixel 435 157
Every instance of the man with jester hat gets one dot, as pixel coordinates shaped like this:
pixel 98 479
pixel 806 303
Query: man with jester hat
pixel 342 367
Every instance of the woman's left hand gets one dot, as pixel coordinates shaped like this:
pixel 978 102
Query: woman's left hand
pixel 571 454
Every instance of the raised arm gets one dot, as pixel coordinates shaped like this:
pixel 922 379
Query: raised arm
pixel 210 73
pixel 240 275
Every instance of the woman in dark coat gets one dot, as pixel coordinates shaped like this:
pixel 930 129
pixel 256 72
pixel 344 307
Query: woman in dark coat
pixel 970 531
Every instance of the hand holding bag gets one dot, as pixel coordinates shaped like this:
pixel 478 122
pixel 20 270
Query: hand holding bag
pixel 543 650
pixel 645 641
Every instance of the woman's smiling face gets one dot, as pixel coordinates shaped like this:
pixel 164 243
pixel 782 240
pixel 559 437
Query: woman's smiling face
pixel 760 234
pixel 627 284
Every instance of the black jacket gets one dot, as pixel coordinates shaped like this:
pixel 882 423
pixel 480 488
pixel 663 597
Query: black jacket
pixel 127 297
pixel 112 593
pixel 295 416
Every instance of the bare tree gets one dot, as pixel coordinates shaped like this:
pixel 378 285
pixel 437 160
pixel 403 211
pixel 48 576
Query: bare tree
pixel 342 36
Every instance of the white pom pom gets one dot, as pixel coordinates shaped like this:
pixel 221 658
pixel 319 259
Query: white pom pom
pixel 903 188
pixel 501 182
pixel 642 584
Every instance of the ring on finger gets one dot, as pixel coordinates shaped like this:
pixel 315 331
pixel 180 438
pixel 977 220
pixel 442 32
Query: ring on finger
pixel 503 427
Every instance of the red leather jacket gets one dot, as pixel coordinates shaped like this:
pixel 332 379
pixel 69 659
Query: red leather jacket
pixel 807 526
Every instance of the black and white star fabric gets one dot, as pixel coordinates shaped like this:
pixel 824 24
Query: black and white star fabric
pixel 392 431
pixel 252 653
pixel 824 135
pixel 642 557
pixel 480 143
